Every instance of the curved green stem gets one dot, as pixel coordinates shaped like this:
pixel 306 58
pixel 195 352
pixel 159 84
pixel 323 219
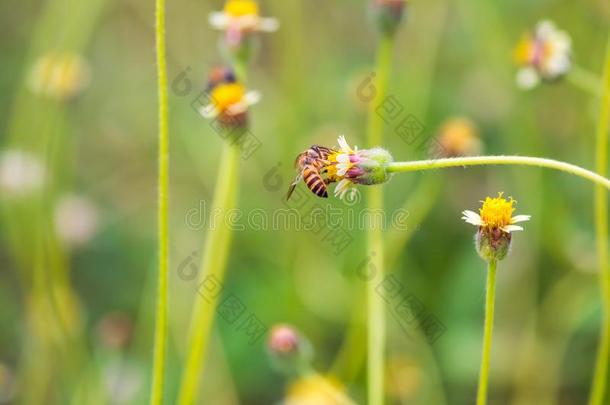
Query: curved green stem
pixel 487 335
pixel 162 215
pixel 600 377
pixel 213 264
pixel 375 309
pixel 420 165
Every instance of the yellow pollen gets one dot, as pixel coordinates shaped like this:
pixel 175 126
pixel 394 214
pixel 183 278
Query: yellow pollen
pixel 225 95
pixel 238 8
pixel 497 212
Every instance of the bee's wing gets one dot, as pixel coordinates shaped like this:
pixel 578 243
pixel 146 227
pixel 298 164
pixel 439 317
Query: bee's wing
pixel 293 185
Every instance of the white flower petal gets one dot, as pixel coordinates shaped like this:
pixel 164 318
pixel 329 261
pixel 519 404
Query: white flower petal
pixel 520 218
pixel 252 97
pixel 208 111
pixel 527 78
pixel 343 144
pixel 218 20
pixel 511 228
pixel 545 28
pixel 343 158
pixel 472 217
pixel 268 24
pixel 342 188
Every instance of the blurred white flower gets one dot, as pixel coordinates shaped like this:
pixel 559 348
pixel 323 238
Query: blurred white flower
pixel 59 75
pixel 543 55
pixel 21 174
pixel 76 220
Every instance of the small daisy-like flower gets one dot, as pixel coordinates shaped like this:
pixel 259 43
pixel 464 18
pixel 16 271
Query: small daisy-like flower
pixel 350 166
pixel 240 18
pixel 495 222
pixel 229 100
pixel 59 75
pixel 496 213
pixel 543 55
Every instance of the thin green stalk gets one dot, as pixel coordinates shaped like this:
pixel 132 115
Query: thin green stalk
pixel 600 377
pixel 156 396
pixel 420 165
pixel 584 80
pixel 376 313
pixel 213 264
pixel 490 297
pixel 382 72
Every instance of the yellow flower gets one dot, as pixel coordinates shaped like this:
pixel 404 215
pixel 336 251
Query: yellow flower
pixel 496 213
pixel 229 101
pixel 242 16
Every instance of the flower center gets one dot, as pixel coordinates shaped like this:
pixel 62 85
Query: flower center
pixel 238 8
pixel 497 212
pixel 227 94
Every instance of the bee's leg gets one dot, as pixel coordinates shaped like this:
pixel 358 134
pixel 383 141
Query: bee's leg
pixel 293 185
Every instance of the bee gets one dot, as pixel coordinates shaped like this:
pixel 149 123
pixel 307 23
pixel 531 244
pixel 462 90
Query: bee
pixel 310 165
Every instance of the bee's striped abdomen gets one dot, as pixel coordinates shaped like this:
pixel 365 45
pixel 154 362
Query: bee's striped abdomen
pixel 314 181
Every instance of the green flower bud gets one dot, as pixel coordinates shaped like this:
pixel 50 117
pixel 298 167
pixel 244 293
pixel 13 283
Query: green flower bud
pixel 289 351
pixel 370 167
pixel 388 15
pixel 492 244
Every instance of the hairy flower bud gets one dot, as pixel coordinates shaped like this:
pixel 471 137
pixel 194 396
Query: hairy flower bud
pixel 370 166
pixel 492 244
pixel 289 351
pixel 388 15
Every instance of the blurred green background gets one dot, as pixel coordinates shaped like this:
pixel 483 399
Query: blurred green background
pixel 78 247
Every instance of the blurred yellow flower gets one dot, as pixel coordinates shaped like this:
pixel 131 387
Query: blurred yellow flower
pixel 229 100
pixel 237 8
pixel 242 16
pixel 315 390
pixel 459 137
pixel 59 75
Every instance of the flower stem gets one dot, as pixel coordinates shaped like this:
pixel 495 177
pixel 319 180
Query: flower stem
pixel 487 334
pixel 420 165
pixel 375 312
pixel 584 80
pixel 600 377
pixel 162 215
pixel 213 264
